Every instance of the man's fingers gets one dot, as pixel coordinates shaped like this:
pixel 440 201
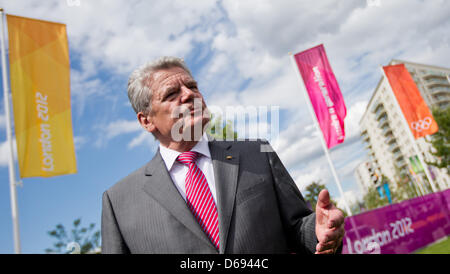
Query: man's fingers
pixel 328 251
pixel 329 225
pixel 325 246
pixel 332 244
pixel 336 218
pixel 331 235
pixel 324 199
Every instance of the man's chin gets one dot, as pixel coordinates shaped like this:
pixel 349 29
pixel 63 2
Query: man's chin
pixel 193 131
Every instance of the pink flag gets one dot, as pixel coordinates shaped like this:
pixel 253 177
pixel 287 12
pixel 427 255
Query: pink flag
pixel 324 93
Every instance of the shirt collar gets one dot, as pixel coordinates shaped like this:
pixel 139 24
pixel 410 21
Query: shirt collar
pixel 170 156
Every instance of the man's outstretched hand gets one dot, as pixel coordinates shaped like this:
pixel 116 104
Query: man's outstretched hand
pixel 329 225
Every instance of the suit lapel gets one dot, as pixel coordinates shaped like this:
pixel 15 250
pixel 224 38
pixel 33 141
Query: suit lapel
pixel 159 185
pixel 226 167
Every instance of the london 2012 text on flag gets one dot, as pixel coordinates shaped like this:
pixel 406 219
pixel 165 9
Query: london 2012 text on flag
pixel 40 89
pixel 324 93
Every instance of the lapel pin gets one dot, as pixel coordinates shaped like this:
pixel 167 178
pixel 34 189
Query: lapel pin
pixel 229 157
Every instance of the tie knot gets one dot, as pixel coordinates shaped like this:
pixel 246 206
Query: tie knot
pixel 187 157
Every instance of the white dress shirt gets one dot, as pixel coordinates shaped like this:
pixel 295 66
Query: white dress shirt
pixel 178 170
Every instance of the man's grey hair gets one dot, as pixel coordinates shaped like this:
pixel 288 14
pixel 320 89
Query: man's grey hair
pixel 139 83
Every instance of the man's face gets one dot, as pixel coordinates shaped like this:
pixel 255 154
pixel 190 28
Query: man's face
pixel 174 94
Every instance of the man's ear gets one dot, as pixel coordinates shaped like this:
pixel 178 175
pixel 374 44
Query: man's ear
pixel 146 121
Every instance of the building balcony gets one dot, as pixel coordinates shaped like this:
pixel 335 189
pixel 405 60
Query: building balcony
pixel 386 130
pixel 393 146
pixel 376 106
pixel 389 139
pixel 380 111
pixel 365 136
pixel 397 155
pixel 400 163
pixel 439 89
pixel 433 74
pixel 441 99
pixel 373 160
pixel 437 81
pixel 383 122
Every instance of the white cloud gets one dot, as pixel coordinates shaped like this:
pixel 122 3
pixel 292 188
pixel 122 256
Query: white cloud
pixel 140 31
pixel 115 129
pixel 5 153
pixel 243 52
pixel 283 25
pixel 83 88
pixel 79 141
pixel 125 127
pixel 144 138
pixel 303 180
pixel 121 127
pixel 354 115
pixel 249 39
pixel 357 38
pixel 352 197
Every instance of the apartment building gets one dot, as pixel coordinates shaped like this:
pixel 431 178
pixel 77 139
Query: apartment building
pixel 385 134
pixel 366 176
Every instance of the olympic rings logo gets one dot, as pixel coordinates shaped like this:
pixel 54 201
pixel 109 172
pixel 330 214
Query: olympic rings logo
pixel 421 125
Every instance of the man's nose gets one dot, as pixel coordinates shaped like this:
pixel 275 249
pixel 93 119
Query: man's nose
pixel 186 94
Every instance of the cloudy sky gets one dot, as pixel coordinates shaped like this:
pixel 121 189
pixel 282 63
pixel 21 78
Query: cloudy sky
pixel 238 52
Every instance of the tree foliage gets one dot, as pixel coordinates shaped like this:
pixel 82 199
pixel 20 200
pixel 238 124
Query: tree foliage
pixel 220 130
pixel 312 194
pixel 405 190
pixel 87 238
pixel 373 200
pixel 440 140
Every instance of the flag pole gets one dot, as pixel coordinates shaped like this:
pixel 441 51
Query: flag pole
pixel 322 139
pixel 410 135
pixel 12 177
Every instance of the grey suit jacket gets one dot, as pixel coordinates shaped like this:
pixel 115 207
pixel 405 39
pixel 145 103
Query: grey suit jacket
pixel 259 206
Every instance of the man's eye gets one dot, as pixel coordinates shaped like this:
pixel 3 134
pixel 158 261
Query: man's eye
pixel 170 95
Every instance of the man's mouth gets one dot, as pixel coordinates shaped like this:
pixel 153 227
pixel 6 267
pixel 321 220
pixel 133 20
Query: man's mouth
pixel 197 111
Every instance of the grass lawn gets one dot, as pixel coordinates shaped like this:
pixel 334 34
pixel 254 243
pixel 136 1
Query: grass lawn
pixel 441 247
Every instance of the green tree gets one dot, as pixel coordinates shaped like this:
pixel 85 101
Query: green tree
pixel 220 130
pixel 312 193
pixel 373 200
pixel 356 208
pixel 405 187
pixel 440 140
pixel 87 238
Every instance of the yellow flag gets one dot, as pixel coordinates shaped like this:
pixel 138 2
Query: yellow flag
pixel 40 88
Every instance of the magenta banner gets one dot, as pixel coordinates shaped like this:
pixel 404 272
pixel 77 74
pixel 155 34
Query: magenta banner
pixel 324 93
pixel 399 228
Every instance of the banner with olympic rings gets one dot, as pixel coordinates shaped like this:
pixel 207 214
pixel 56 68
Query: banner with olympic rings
pixel 413 106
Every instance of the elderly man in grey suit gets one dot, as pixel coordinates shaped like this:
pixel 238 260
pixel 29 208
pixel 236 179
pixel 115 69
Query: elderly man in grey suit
pixel 199 195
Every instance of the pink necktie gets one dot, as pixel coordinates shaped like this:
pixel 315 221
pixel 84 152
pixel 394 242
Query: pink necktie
pixel 199 197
